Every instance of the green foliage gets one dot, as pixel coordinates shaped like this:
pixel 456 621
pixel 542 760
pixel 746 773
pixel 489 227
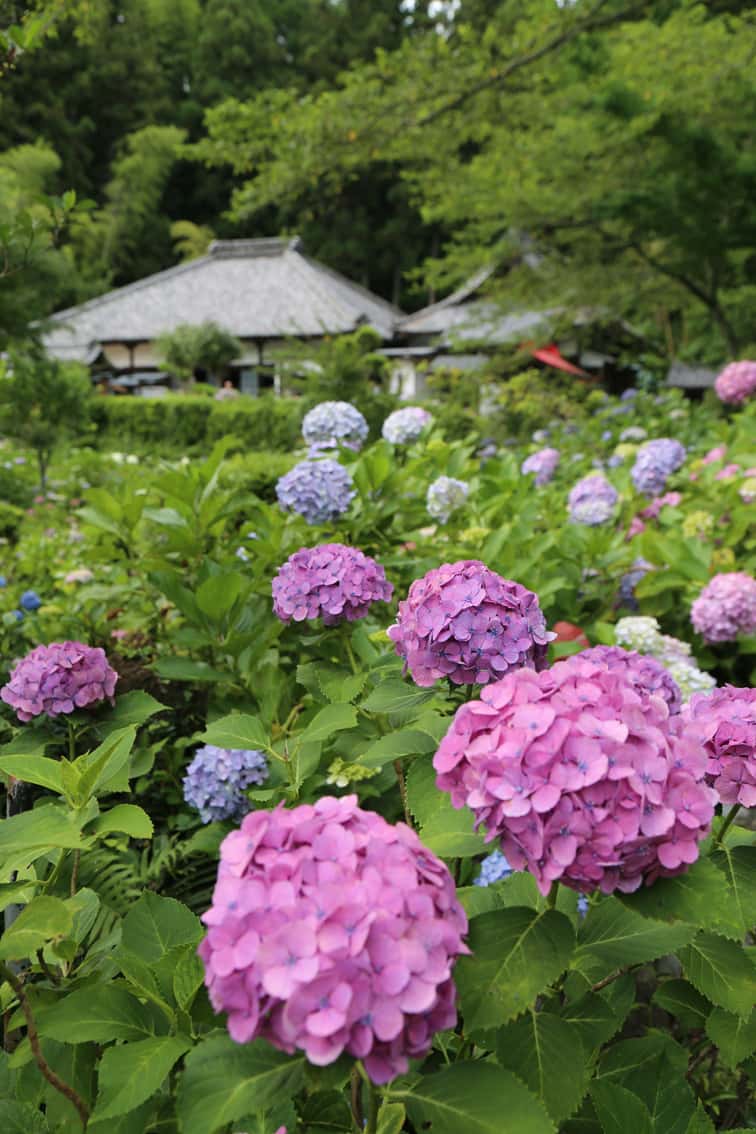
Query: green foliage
pixel 189 348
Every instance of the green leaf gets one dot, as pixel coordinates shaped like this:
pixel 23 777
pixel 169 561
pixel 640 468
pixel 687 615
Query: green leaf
pixel 735 1036
pixel 661 1085
pixel 44 919
pixel 546 1052
pixel 237 730
pixel 132 708
pixel 738 864
pixel 45 828
pixel 396 696
pixel 106 768
pixel 612 936
pixel 21 1118
pixel 391 1118
pixel 125 817
pixel 98 1014
pixel 619 1110
pixel 475 1098
pixel 186 669
pixel 594 1018
pixel 33 770
pixel 403 742
pixel 698 897
pixel 683 1001
pixel 223 1081
pixel 188 977
pixel 343 687
pixel 516 953
pixel 444 830
pixel 131 1073
pixel 156 924
pixel 721 970
pixel 216 596
pixel 700 1123
pixel 333 718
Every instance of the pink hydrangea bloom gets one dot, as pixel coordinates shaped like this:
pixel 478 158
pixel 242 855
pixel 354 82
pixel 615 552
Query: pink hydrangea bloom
pixel 333 931
pixel 580 775
pixel 737 383
pixel 728 472
pixel 652 510
pixel 726 607
pixel 637 527
pixel 331 581
pixel 465 622
pixel 716 454
pixel 647 674
pixel 724 722
pixel 59 679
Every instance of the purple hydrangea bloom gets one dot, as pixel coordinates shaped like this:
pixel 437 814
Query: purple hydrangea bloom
pixel 726 607
pixel 630 580
pixel 318 490
pixel 592 500
pixel 646 674
pixel 724 722
pixel 30 601
pixel 445 495
pixel 333 931
pixel 493 868
pixel 216 779
pixel 330 424
pixel 543 464
pixel 737 383
pixel 331 581
pixel 656 460
pixel 582 778
pixel 628 394
pixel 58 679
pixel 405 425
pixel 465 622
pixel 633 433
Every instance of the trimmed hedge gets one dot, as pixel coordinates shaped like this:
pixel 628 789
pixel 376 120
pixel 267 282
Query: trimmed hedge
pixel 182 422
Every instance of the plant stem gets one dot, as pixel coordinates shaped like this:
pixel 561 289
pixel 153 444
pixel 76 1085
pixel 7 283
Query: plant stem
pixel 75 871
pixel 729 820
pixel 350 651
pixel 71 740
pixel 31 1029
pixel 399 769
pixel 355 1096
pixel 374 1105
pixel 551 900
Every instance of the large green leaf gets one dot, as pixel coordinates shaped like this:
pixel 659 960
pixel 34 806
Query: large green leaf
pixel 391 1119
pixel 396 696
pixel 217 595
pixel 132 708
pixel 516 953
pixel 403 742
pixel 738 864
pixel 700 1123
pixel 44 919
pixel 223 1081
pixel 594 1018
pixel 700 896
pixel 662 1087
pixel 332 718
pixel 683 1001
pixel 21 1118
pixel 125 817
pixel 156 924
pixel 475 1098
pixel 187 669
pixel 106 768
pixel 130 1073
pixel 721 970
pixel 99 1014
pixel 735 1036
pixel 444 830
pixel 619 1110
pixel 612 936
pixel 237 730
pixel 45 828
pixel 33 770
pixel 546 1052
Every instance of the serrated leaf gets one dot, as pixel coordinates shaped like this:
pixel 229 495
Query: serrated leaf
pixel 683 1001
pixel 127 818
pixel 391 1118
pixel 403 742
pixel 216 596
pixel 546 1052
pixel 45 828
pixel 594 1018
pixel 332 718
pixel 722 971
pixel 516 953
pixel 130 1073
pixel 326 1112
pixel 44 919
pixel 187 669
pixel 154 925
pixel 21 1118
pixel 738 864
pixel 665 1092
pixel 445 831
pixel 237 730
pixel 132 708
pixel 619 1110
pixel 344 686
pixel 477 1098
pixel 98 1015
pixel 735 1036
pixel 396 696
pixel 700 1123
pixel 33 770
pixel 188 978
pixel 612 936
pixel 698 896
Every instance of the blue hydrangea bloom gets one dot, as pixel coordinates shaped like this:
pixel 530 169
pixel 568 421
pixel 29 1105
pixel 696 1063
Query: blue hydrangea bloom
pixel 629 394
pixel 606 435
pixel 405 425
pixel 30 600
pixel 654 463
pixel 629 581
pixel 494 868
pixel 318 490
pixel 445 495
pixel 3 581
pixel 582 906
pixel 215 781
pixel 330 424
pixel 18 615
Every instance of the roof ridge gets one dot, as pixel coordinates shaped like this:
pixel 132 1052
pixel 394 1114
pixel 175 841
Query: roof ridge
pixel 309 279
pixel 128 289
pixel 352 285
pixel 468 288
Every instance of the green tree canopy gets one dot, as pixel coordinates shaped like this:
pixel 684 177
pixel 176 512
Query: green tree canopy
pixel 191 346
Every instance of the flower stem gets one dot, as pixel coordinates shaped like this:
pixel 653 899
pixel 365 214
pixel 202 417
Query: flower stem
pixel 728 821
pixel 551 900
pixel 399 769
pixel 355 1097
pixel 71 740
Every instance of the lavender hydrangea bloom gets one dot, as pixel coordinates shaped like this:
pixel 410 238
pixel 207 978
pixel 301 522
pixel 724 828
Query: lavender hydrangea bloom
pixel 543 464
pixel 592 500
pixel 737 383
pixel 655 462
pixel 630 580
pixel 405 425
pixel 330 424
pixel 58 679
pixel 318 490
pixel 633 433
pixel 645 674
pixel 215 781
pixel 726 607
pixel 445 495
pixel 465 622
pixel 331 581
pixel 493 869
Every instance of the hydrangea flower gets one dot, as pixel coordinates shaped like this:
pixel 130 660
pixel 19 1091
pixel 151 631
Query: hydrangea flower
pixel 728 472
pixel 688 677
pixel 633 433
pixel 747 490
pixel 331 581
pixel 668 500
pixel 540 435
pixel 580 776
pixel 736 383
pixel 58 679
pixel 318 490
pixel 332 931
pixel 216 779
pixel 639 633
pixel 3 581
pixel 724 722
pixel 493 868
pixel 697 525
pixel 405 425
pixel 726 607
pixel 445 495
pixel 79 575
pixel 592 500
pixel 646 674
pixel 330 424
pixel 654 463
pixel 543 464
pixel 465 622
pixel 718 453
pixel 630 580
pixel 30 601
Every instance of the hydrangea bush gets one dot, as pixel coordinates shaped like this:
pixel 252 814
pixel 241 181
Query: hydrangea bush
pixel 331 581
pixel 330 424
pixel 320 490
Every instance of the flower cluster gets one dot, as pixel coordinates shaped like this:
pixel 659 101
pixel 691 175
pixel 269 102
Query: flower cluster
pixel 630 580
pixel 652 511
pixel 644 635
pixel 216 779
pixel 445 495
pixel 331 581
pixel 726 607
pixel 79 575
pixel 724 722
pixel 592 500
pixel 30 601
pixel 580 776
pixel 405 425
pixel 318 490
pixel 736 383
pixel 655 462
pixel 58 679
pixel 333 931
pixel 465 622
pixel 645 673
pixel 330 424
pixel 543 464
pixel 633 433
pixel 493 868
